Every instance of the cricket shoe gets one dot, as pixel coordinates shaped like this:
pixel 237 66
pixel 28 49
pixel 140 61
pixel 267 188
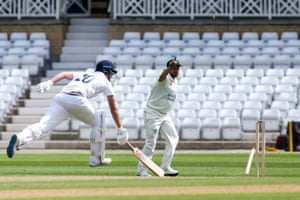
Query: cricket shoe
pixel 97 161
pixel 12 146
pixel 171 172
pixel 144 174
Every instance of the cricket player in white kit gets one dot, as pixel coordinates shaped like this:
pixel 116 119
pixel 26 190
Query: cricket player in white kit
pixel 73 101
pixel 157 120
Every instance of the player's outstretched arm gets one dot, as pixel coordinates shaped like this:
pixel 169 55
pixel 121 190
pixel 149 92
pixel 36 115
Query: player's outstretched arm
pixel 122 135
pixel 114 110
pixel 46 85
pixel 61 76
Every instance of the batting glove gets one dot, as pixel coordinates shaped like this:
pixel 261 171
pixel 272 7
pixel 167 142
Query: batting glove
pixel 122 136
pixel 44 86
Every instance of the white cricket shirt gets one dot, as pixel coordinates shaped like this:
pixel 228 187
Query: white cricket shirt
pixel 89 84
pixel 163 95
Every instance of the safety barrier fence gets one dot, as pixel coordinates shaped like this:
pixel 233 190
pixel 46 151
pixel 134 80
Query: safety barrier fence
pixel 205 8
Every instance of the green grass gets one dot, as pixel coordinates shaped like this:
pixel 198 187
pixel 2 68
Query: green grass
pixel 196 169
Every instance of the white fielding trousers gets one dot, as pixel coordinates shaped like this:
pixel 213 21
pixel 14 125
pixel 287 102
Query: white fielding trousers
pixel 156 123
pixel 63 107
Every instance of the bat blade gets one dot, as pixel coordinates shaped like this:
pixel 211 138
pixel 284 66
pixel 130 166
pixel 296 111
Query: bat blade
pixel 146 161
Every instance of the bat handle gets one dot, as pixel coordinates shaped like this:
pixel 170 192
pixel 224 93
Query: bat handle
pixel 130 145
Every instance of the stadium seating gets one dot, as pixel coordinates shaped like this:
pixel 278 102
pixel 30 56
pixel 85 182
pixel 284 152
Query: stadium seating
pixel 267 36
pixel 235 105
pixel 246 36
pixel 203 62
pixel 249 117
pixel 228 72
pixel 141 44
pixel 187 36
pixel 289 35
pixel 238 73
pixel 276 43
pixel 3 36
pixel 148 36
pixel 170 36
pixel 31 63
pixel 190 129
pixel 211 129
pixel 231 129
pixel 14 36
pixel 227 36
pixel 207 36
pixel 242 62
pixel 272 117
pixel 255 73
pixel 132 36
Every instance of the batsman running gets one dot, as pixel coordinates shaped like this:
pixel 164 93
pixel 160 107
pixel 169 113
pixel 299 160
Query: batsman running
pixel 73 101
pixel 157 120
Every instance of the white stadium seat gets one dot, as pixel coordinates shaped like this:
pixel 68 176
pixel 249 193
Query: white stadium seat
pixel 190 129
pixel 289 35
pixel 211 129
pixel 249 117
pixel 231 129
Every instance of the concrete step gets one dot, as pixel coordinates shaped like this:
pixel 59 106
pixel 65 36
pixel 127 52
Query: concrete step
pixel 55 88
pixel 62 135
pixel 32 110
pixel 88 28
pixel 78 57
pixel 37 102
pixel 16 127
pixel 89 21
pixel 80 50
pixel 68 144
pixel 19 119
pixel 86 43
pixel 72 65
pixel 251 136
pixel 60 83
pixel 36 145
pixel 51 73
pixel 46 95
pixel 86 36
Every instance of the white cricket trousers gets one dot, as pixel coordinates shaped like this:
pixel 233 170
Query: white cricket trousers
pixel 63 107
pixel 156 123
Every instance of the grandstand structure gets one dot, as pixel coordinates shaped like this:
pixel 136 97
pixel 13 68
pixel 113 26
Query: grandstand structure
pixel 241 63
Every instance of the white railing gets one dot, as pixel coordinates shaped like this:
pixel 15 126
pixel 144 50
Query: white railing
pixel 44 8
pixel 154 8
pixel 205 8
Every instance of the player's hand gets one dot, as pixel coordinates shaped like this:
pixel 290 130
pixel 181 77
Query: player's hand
pixel 122 136
pixel 44 86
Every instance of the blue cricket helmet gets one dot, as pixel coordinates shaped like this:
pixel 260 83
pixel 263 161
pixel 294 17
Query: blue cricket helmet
pixel 107 67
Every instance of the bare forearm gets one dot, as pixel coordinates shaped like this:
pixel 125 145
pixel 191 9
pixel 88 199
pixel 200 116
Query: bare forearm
pixel 114 111
pixel 164 74
pixel 116 117
pixel 61 76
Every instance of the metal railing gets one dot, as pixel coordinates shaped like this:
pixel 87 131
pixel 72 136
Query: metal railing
pixel 205 8
pixel 44 8
pixel 154 8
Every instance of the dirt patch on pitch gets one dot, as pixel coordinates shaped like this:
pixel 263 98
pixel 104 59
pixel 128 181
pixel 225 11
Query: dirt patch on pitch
pixel 90 192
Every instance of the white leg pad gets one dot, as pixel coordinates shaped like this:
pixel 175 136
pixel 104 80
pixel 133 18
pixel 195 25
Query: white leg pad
pixel 97 143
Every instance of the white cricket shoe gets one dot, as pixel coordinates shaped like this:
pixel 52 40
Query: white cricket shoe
pixel 96 161
pixel 106 161
pixel 144 174
pixel 171 172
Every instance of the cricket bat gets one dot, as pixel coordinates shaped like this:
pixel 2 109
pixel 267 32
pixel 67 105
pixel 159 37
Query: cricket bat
pixel 146 161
